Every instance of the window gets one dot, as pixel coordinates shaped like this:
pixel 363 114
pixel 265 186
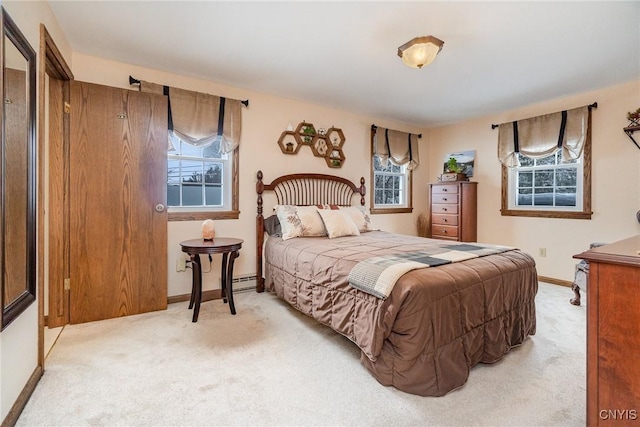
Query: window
pixel 200 182
pixel 546 183
pixel 547 187
pixel 391 188
pixel 394 155
pixel 546 165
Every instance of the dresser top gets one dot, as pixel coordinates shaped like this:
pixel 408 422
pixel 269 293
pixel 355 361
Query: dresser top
pixel 454 183
pixel 625 252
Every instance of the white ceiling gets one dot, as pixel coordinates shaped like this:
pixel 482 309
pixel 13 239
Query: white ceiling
pixel 497 56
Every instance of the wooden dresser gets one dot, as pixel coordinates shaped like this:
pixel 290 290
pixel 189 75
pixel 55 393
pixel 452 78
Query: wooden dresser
pixel 613 333
pixel 454 210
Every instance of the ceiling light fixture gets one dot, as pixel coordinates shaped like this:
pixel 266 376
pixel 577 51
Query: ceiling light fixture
pixel 420 51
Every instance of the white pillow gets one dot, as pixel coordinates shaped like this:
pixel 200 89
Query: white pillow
pixel 299 221
pixel 338 223
pixel 359 214
pixel 360 217
pixel 312 224
pixel 289 221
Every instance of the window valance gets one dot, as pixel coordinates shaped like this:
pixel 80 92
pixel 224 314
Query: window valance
pixel 541 136
pixel 401 148
pixel 201 119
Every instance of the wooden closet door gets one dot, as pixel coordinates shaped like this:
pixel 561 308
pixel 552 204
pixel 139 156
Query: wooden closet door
pixel 58 232
pixel 118 169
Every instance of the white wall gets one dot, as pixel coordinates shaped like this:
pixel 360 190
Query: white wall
pixel 19 341
pixel 19 356
pixel 615 180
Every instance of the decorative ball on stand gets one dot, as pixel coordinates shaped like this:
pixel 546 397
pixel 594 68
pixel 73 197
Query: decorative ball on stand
pixel 208 229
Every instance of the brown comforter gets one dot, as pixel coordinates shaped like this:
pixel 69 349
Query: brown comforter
pixel 437 322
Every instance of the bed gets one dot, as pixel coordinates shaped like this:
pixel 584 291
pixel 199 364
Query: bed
pixel 423 334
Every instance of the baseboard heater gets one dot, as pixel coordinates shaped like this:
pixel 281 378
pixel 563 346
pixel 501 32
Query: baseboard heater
pixel 242 283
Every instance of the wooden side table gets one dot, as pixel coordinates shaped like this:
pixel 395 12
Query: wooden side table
pixel 226 246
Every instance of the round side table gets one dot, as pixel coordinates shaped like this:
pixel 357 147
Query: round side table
pixel 226 246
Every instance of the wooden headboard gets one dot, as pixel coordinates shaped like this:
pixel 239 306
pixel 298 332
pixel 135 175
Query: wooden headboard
pixel 302 189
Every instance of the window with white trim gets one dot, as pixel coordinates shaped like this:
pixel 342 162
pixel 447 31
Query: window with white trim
pixel 546 184
pixel 546 165
pixel 390 185
pixel 198 178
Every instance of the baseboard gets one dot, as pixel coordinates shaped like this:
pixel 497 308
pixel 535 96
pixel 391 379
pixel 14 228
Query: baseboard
pixel 217 293
pixel 240 284
pixel 12 417
pixel 555 281
pixel 206 296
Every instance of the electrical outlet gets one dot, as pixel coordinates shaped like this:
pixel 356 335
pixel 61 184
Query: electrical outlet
pixel 543 252
pixel 181 264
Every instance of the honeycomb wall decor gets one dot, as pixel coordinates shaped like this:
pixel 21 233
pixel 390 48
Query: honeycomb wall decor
pixel 325 143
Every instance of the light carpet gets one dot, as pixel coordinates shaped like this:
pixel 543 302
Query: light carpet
pixel 270 365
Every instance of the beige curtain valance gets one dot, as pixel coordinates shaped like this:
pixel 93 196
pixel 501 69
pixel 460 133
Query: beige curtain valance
pixel 401 148
pixel 200 119
pixel 542 136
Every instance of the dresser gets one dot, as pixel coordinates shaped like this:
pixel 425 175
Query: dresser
pixel 613 333
pixel 454 210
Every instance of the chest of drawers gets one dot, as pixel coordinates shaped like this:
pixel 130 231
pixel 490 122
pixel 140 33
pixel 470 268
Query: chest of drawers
pixel 454 212
pixel 613 328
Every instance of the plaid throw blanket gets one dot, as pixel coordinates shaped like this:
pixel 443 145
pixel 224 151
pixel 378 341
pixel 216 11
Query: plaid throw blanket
pixel 378 275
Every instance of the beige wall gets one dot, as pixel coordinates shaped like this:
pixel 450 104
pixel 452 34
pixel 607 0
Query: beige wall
pixel 19 341
pixel 616 177
pixel 613 204
pixel 262 124
pixel 615 180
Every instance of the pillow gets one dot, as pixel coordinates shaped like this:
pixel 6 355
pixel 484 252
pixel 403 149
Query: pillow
pixel 289 221
pixel 312 225
pixel 299 221
pixel 338 223
pixel 272 226
pixel 359 215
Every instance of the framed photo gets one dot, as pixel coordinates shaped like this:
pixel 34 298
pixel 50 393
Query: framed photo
pixel 465 159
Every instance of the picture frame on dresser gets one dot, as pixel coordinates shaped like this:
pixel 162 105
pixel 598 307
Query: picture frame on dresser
pixel 464 159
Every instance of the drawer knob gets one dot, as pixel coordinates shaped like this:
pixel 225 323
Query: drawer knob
pixel 444 190
pixel 444 231
pixel 444 209
pixel 444 198
pixel 445 220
